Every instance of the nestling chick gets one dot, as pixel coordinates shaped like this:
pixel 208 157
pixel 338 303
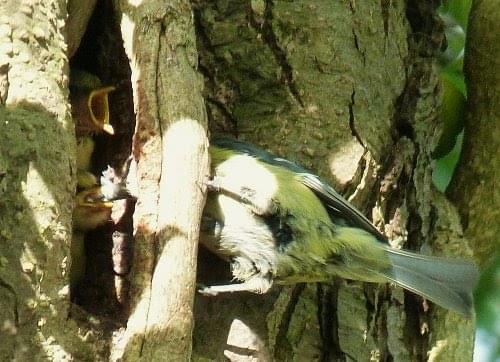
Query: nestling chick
pixel 93 206
pixel 84 149
pixel 93 202
pixel 90 110
pixel 275 222
pixel 91 210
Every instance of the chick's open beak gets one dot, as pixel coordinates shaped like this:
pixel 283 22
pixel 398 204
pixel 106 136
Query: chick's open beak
pixel 99 108
pixel 91 111
pixel 93 198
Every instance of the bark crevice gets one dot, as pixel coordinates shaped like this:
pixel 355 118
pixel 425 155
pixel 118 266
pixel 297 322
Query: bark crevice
pixel 282 346
pixel 352 119
pixel 328 322
pixel 271 40
pixel 15 307
pixel 215 96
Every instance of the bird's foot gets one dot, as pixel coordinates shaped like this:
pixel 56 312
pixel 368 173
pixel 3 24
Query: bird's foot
pixel 257 285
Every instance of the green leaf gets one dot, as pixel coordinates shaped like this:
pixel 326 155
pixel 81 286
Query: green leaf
pixel 458 9
pixel 445 166
pixel 452 112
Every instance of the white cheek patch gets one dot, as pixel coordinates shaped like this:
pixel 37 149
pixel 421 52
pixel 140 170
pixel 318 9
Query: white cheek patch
pixel 235 213
pixel 247 176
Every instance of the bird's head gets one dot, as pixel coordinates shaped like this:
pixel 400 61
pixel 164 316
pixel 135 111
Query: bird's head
pixel 91 209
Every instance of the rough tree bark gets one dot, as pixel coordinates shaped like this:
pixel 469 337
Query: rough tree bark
pixel 37 161
pixel 350 90
pixel 475 184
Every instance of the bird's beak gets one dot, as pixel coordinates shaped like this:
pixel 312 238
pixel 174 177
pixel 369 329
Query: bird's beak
pixel 96 204
pixel 99 108
pixel 108 204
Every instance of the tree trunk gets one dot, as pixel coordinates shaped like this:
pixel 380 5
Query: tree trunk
pixel 474 187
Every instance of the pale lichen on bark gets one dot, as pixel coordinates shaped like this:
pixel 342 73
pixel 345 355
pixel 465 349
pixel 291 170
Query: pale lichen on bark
pixel 37 156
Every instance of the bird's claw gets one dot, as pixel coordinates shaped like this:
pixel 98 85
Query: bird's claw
pixel 213 184
pixel 206 290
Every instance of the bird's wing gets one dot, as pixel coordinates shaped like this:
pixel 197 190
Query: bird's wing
pixel 337 206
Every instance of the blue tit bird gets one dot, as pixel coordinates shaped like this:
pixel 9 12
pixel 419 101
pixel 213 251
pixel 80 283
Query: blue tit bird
pixel 275 222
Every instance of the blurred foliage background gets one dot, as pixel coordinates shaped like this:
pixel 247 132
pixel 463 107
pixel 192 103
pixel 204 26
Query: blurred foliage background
pixel 454 14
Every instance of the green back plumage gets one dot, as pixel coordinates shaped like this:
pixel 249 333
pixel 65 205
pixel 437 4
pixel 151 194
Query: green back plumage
pixel 334 203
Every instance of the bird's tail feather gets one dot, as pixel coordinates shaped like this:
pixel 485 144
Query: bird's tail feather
pixel 447 282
